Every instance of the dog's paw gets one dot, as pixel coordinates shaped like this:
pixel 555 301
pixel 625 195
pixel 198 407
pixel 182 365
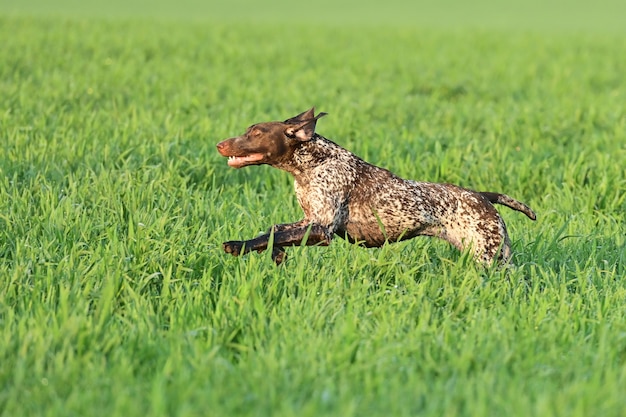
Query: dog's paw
pixel 234 247
pixel 278 255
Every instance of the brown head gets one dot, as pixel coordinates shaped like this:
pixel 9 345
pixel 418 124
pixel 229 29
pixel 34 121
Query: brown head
pixel 270 142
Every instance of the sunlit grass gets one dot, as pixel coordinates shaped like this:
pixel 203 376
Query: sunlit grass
pixel 115 296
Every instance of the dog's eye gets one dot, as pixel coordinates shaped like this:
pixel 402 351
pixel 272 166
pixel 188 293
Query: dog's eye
pixel 290 134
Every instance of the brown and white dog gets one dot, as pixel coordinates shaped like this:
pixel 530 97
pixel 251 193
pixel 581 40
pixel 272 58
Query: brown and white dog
pixel 343 195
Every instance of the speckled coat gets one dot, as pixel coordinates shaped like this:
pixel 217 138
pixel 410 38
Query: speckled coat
pixel 343 195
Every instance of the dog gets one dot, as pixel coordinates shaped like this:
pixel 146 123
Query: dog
pixel 342 195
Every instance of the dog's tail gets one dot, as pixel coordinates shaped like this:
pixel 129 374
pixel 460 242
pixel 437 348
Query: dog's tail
pixel 505 200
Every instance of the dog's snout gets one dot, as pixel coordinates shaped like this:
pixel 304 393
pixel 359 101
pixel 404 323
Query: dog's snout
pixel 222 147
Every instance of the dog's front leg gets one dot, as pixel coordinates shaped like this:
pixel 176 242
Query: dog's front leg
pixel 288 226
pixel 239 247
pixel 278 253
pixel 259 243
pixel 303 234
pixel 287 235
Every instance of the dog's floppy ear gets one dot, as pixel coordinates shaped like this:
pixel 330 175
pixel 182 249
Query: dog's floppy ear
pixel 306 115
pixel 303 130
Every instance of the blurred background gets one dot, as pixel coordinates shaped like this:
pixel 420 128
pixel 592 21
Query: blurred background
pixel 576 15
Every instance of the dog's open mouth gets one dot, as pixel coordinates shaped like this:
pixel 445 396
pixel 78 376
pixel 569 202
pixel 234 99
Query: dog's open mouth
pixel 241 161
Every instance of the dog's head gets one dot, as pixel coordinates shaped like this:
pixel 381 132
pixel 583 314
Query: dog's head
pixel 269 142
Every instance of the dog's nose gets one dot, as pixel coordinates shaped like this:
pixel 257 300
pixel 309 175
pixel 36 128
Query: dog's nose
pixel 221 147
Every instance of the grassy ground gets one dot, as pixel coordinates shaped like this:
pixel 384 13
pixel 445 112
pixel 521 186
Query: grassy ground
pixel 115 297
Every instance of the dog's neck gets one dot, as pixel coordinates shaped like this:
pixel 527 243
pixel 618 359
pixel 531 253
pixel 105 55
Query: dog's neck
pixel 311 154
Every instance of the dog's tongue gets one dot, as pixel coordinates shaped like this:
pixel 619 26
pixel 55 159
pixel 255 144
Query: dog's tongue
pixel 240 161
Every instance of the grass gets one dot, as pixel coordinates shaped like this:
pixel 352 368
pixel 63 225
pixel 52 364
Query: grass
pixel 115 297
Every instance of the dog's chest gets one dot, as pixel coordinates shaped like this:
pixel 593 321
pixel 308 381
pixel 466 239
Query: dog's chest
pixel 323 195
pixel 317 196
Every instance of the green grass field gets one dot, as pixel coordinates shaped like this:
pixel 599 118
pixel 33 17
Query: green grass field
pixel 115 296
